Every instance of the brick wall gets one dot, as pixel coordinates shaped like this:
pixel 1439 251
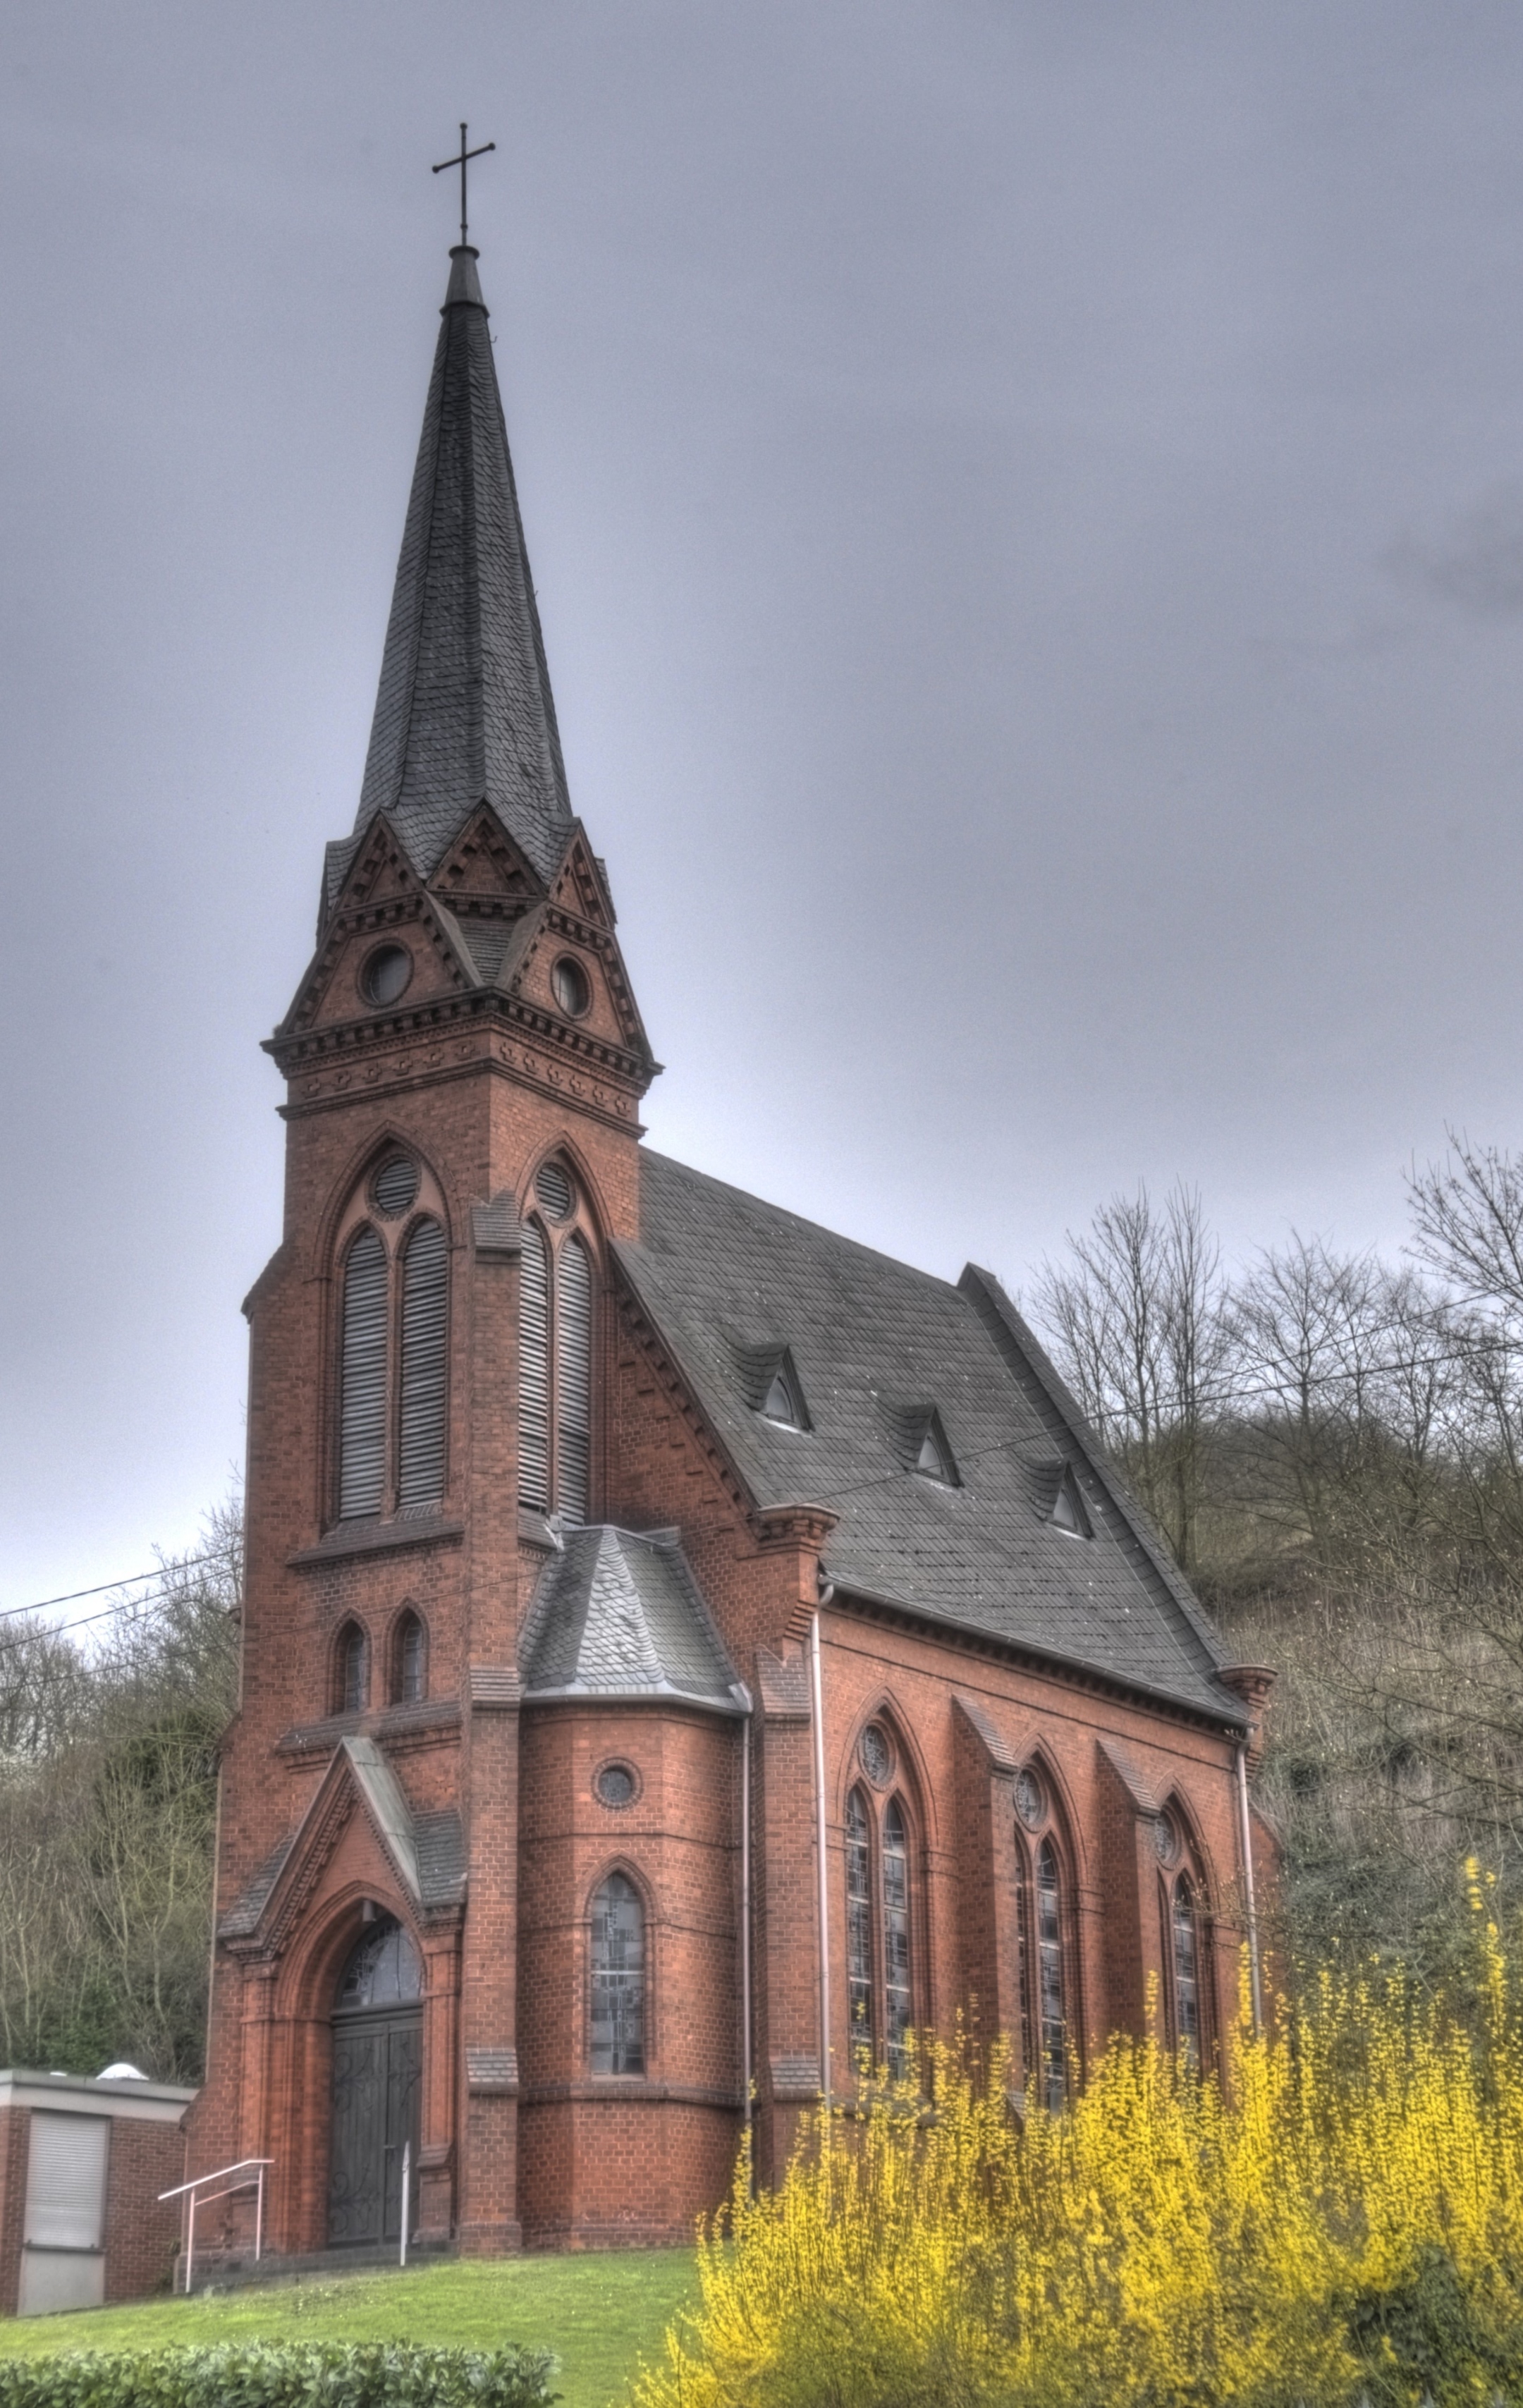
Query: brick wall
pixel 142 2234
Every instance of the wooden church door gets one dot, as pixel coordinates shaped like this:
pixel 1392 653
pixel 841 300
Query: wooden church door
pixel 376 2078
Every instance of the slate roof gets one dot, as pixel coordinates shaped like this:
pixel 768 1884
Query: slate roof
pixel 464 714
pixel 728 1280
pixel 620 1614
pixel 427 1850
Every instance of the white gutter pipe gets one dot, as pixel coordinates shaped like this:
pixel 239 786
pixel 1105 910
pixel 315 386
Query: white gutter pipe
pixel 747 2077
pixel 817 1704
pixel 1245 1833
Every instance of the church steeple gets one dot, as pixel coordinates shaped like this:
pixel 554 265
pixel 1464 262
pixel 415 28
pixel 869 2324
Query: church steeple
pixel 464 714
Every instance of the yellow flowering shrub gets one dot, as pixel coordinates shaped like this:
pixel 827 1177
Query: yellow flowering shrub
pixel 1343 2222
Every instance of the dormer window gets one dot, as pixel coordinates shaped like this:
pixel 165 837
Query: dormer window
pixel 1069 1511
pixel 783 1402
pixel 934 1457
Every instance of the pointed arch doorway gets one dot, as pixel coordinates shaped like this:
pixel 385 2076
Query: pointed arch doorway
pixel 376 2080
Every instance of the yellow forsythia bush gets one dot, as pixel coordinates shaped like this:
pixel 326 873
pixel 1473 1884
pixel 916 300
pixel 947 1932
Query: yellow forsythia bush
pixel 1344 2224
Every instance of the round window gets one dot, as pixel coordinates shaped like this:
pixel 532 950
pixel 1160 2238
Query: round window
pixel 616 1785
pixel 552 1187
pixel 571 987
pixel 395 1184
pixel 876 1754
pixel 1165 1838
pixel 387 974
pixel 1030 1802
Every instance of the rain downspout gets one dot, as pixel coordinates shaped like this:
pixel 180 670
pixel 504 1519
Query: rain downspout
pixel 1245 1834
pixel 817 1705
pixel 747 2076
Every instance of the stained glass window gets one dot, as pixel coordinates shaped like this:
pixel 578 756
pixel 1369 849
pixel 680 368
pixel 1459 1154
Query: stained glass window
pixel 1050 1985
pixel 1186 1972
pixel 898 2002
pixel 858 1924
pixel 618 1979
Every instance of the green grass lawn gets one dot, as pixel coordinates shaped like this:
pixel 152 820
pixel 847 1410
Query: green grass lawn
pixel 600 2314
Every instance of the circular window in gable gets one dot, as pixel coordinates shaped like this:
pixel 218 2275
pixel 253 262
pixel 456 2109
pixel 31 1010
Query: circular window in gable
pixel 616 1785
pixel 571 987
pixel 387 974
pixel 394 1184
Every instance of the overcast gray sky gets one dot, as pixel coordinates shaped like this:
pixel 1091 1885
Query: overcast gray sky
pixel 1028 507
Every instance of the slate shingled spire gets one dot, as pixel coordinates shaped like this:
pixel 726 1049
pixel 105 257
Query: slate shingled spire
pixel 464 712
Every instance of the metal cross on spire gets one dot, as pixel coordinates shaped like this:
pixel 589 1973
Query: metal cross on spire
pixel 459 161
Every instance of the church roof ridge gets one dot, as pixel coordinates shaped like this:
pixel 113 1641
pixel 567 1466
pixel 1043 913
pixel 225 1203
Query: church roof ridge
pixel 463 711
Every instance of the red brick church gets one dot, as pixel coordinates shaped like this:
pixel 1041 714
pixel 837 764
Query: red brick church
pixel 683 1647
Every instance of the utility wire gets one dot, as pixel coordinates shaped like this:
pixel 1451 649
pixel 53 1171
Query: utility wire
pixel 80 1622
pixel 129 1580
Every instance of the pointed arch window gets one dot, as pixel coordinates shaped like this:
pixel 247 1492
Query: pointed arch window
pixel 1185 1949
pixel 879 1940
pixel 362 1475
pixel 393 1353
pixel 352 1671
pixel 1042 1953
pixel 557 1293
pixel 617 2014
pixel 411 1683
pixel 1052 1986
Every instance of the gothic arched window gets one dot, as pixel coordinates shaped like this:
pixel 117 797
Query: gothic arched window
pixel 383 1969
pixel 419 1466
pixel 350 1670
pixel 880 1917
pixel 898 2001
pixel 859 1939
pixel 617 2007
pixel 1185 1940
pixel 1041 1942
pixel 556 1292
pixel 362 1472
pixel 410 1683
pixel 392 1351
pixel 1051 1984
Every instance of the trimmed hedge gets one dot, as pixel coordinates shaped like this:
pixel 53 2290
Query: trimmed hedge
pixel 282 2374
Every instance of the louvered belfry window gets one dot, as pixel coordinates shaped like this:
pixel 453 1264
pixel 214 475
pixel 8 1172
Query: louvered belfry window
pixel 394 1355
pixel 362 1478
pixel 534 1371
pixel 425 1293
pixel 557 1293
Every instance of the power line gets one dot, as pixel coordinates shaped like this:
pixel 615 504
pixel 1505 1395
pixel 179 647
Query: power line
pixel 55 1629
pixel 129 1580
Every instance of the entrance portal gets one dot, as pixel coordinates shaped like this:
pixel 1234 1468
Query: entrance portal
pixel 376 2070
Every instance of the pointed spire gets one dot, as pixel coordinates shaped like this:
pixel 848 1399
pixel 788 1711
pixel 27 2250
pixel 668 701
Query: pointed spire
pixel 464 712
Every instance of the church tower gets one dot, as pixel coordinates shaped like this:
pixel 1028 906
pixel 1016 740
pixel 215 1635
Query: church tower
pixel 683 1649
pixel 464 1041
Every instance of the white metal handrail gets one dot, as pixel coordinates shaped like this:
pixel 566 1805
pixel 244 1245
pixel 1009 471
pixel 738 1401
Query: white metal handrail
pixel 252 2180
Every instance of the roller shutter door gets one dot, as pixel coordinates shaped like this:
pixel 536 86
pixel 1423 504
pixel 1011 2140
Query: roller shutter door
pixel 63 2258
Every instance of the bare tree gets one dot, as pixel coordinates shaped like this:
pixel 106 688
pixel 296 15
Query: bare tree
pixel 1136 1315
